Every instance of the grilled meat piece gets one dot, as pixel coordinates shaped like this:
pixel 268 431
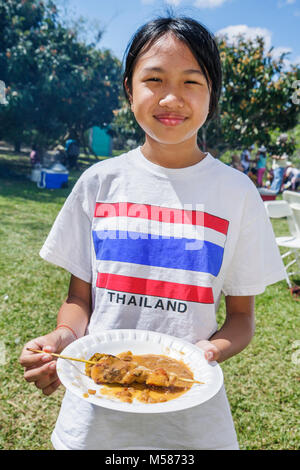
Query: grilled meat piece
pixel 114 369
pixel 111 369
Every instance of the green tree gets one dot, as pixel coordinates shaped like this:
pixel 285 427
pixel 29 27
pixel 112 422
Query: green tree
pixel 56 84
pixel 124 127
pixel 79 86
pixel 18 22
pixel 256 97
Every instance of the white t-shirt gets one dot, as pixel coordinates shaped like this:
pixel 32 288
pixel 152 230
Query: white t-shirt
pixel 159 246
pixel 280 163
pixel 245 159
pixel 292 172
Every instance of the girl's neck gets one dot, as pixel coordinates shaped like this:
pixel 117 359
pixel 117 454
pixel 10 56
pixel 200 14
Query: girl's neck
pixel 172 155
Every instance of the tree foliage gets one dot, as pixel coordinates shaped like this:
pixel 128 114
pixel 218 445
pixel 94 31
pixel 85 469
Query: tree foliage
pixel 125 128
pixel 256 100
pixel 256 97
pixel 55 83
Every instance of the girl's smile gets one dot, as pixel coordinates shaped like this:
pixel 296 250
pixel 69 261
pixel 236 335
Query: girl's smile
pixel 170 119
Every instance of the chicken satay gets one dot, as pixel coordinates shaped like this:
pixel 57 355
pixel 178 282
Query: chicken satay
pixel 115 370
pixel 161 378
pixel 95 358
pixel 111 369
pixel 125 356
pixel 158 377
pixel 124 370
pixel 138 374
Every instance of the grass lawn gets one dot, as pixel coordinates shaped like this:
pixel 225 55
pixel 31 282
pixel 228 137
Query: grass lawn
pixel 262 382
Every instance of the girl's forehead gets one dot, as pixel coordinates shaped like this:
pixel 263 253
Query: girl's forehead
pixel 167 48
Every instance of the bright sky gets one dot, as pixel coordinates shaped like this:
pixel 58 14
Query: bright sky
pixel 277 20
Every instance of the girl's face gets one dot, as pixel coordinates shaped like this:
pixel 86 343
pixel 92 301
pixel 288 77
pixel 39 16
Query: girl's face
pixel 170 96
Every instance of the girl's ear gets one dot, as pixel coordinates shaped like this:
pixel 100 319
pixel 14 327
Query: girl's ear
pixel 128 92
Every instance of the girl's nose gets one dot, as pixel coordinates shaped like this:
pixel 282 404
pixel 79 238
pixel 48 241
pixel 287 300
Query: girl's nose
pixel 171 99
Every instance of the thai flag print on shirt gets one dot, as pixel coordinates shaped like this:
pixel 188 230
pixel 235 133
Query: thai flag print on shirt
pixel 158 251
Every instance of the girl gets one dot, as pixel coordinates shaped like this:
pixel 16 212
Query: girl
pixel 168 213
pixel 261 159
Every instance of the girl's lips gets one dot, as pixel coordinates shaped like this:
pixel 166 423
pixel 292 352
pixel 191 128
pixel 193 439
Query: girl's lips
pixel 170 120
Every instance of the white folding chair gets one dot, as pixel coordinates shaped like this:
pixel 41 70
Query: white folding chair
pixel 293 199
pixel 291 196
pixel 277 210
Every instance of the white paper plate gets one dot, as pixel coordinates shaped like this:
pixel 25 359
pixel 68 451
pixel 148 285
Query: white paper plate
pixel 72 375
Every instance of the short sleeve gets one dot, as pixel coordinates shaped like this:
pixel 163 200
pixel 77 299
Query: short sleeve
pixel 68 244
pixel 256 262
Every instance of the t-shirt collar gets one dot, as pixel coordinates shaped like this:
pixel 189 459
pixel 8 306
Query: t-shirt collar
pixel 140 160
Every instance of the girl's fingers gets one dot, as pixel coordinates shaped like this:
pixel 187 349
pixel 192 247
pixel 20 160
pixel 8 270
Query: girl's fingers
pixel 52 387
pixel 211 352
pixel 30 359
pixel 46 380
pixel 45 377
pixel 40 367
pixel 39 361
pixel 204 344
pixel 35 374
pixel 49 349
pixel 209 355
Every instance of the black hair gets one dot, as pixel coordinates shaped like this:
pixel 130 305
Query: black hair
pixel 197 37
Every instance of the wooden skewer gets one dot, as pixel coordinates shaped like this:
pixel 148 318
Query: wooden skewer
pixel 190 380
pixel 62 357
pixel 182 379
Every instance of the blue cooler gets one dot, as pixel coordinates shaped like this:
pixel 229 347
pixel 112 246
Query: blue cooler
pixel 54 178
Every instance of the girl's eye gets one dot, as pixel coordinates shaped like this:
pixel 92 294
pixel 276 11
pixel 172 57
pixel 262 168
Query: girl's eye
pixel 190 81
pixel 153 79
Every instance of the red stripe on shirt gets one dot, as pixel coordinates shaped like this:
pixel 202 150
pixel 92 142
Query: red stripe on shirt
pixel 141 286
pixel 161 214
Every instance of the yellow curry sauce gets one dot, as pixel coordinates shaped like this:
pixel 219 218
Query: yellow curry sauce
pixel 146 393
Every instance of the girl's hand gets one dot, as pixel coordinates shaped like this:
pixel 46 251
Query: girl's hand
pixel 211 351
pixel 41 368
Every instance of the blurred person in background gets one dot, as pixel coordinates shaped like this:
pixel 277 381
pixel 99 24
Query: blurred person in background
pixel 246 158
pixel 278 167
pixel 261 158
pixel 236 162
pixel 291 177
